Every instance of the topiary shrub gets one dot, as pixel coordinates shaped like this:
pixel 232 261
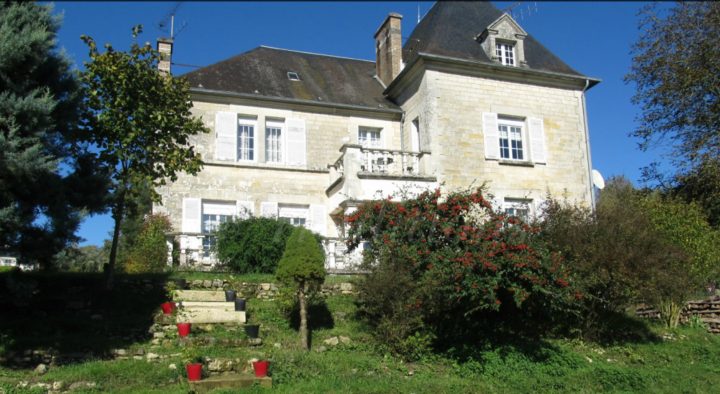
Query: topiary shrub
pixel 149 253
pixel 253 245
pixel 302 266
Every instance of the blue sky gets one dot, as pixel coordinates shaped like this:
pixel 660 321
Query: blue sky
pixel 593 38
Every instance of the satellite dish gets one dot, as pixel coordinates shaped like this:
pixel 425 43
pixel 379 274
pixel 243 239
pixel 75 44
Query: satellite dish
pixel 597 179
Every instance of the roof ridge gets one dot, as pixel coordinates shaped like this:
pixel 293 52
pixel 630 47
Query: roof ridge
pixel 316 54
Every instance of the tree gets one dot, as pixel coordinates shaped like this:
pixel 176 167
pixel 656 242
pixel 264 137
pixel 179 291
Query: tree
pixel 303 267
pixel 47 181
pixel 253 245
pixel 676 69
pixel 140 122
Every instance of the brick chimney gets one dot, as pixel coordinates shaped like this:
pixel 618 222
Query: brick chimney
pixel 165 47
pixel 388 49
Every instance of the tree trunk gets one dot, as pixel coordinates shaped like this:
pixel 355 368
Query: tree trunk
pixel 118 213
pixel 303 316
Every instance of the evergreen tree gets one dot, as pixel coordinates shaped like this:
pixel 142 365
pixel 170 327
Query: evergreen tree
pixel 45 179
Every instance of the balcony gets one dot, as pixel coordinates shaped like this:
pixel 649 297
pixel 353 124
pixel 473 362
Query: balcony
pixel 367 173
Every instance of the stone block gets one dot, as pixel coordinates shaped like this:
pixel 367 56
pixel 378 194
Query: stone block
pixel 210 316
pixel 199 295
pixel 191 305
pixel 228 382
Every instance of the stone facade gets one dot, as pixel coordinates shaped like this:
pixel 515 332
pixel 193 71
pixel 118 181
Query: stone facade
pixel 454 122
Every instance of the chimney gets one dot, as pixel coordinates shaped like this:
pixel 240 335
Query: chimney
pixel 388 49
pixel 165 47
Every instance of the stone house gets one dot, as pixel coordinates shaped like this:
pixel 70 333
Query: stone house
pixel 470 98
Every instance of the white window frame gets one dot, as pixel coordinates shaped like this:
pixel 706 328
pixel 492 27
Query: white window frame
pixel 297 215
pixel 514 207
pixel 244 152
pixel 505 52
pixel 508 132
pixel 370 137
pixel 275 144
pixel 214 219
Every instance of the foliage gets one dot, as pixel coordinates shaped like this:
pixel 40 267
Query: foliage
pixel 150 251
pixel 302 267
pixel 443 267
pixel 631 250
pixel 81 259
pixel 47 182
pixel 676 69
pixel 140 122
pixel 253 245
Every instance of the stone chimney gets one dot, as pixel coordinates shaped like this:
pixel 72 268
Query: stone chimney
pixel 165 47
pixel 388 49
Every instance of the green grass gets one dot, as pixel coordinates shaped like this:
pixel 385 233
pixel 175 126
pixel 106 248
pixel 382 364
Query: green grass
pixel 688 361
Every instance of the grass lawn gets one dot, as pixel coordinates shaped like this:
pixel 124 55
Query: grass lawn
pixel 686 360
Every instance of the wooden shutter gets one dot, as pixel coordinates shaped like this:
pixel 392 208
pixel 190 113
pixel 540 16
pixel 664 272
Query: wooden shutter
pixel 226 136
pixel 537 140
pixel 318 218
pixel 191 216
pixel 492 137
pixel 245 209
pixel 268 209
pixel 296 142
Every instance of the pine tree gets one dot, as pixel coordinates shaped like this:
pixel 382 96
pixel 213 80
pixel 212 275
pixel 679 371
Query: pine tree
pixel 45 179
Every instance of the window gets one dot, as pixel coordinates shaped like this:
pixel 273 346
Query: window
pixel 297 215
pixel 369 137
pixel 213 214
pixel 246 139
pixel 273 141
pixel 517 207
pixel 511 139
pixel 415 136
pixel 506 53
pixel 293 76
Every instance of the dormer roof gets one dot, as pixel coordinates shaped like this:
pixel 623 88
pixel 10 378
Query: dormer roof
pixel 452 29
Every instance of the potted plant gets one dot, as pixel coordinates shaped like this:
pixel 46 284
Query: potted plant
pixel 183 329
pixel 252 330
pixel 239 304
pixel 229 295
pixel 193 364
pixel 261 368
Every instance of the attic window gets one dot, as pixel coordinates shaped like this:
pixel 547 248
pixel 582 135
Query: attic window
pixel 293 76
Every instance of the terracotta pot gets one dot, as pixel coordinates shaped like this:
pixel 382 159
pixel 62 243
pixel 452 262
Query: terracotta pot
pixel 167 307
pixel 194 371
pixel 183 329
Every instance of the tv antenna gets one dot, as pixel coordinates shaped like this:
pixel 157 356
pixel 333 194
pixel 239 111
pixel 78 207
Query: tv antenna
pixel 521 9
pixel 169 19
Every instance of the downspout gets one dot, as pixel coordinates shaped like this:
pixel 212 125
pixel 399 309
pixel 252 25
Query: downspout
pixel 587 144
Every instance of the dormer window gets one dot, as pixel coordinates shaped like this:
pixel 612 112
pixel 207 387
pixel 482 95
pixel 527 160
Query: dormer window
pixel 505 53
pixel 293 76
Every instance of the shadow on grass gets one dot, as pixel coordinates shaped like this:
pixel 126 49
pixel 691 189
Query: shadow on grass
pixel 70 316
pixel 319 317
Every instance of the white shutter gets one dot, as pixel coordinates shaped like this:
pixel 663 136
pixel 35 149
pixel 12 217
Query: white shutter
pixel 296 142
pixel 226 136
pixel 537 140
pixel 245 209
pixel 492 137
pixel 191 216
pixel 318 217
pixel 268 209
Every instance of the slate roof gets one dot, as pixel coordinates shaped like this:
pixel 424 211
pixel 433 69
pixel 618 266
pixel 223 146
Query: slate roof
pixel 449 29
pixel 263 71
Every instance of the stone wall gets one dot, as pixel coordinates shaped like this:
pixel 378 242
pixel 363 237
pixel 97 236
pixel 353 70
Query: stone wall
pixel 708 310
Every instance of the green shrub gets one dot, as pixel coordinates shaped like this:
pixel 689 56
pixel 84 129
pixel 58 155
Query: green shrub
pixel 302 267
pixel 253 245
pixel 149 253
pixel 452 269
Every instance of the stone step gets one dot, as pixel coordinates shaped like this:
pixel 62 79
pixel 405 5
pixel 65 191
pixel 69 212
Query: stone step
pixel 210 315
pixel 199 295
pixel 192 305
pixel 228 382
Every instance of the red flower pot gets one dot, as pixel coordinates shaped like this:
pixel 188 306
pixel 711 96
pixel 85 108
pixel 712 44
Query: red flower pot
pixel 194 371
pixel 261 368
pixel 167 307
pixel 183 329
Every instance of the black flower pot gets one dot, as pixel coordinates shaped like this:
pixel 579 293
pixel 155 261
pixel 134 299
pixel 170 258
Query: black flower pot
pixel 239 304
pixel 181 284
pixel 252 330
pixel 229 295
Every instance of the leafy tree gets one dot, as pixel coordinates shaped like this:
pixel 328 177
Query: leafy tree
pixel 81 259
pixel 253 245
pixel 303 267
pixel 676 68
pixel 46 179
pixel 443 268
pixel 140 122
pixel 149 252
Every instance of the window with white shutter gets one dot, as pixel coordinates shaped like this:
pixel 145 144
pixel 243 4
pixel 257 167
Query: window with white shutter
pixel 225 136
pixel 318 219
pixel 274 143
pixel 296 142
pixel 490 131
pixel 246 139
pixel 537 140
pixel 191 216
pixel 297 215
pixel 268 209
